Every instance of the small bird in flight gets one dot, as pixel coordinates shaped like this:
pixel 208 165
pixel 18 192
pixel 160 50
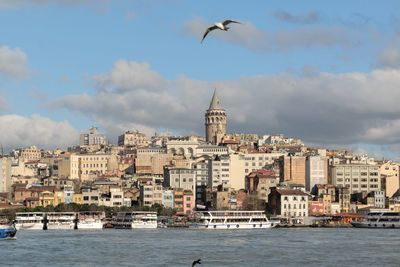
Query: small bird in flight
pixel 219 25
pixel 196 262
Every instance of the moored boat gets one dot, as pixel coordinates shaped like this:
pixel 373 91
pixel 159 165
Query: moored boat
pixel 29 220
pixel 7 229
pixel 91 219
pixel 59 220
pixel 379 219
pixel 230 220
pixel 135 220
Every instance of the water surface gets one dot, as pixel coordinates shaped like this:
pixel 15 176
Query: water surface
pixel 179 247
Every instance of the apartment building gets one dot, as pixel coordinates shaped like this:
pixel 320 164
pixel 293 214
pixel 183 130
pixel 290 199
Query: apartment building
pixel 292 169
pixel 357 177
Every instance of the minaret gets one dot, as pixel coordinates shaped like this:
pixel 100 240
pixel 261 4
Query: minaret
pixel 215 121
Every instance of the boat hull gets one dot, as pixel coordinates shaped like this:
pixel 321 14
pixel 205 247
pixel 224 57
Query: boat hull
pixel 381 225
pixel 90 225
pixel 144 225
pixel 60 226
pixel 231 226
pixel 7 232
pixel 29 226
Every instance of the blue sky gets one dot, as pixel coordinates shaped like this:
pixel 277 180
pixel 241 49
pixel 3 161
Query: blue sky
pixel 326 72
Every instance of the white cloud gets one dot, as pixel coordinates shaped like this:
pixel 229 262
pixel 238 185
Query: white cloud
pixel 13 62
pixel 20 131
pixel 249 36
pixel 325 108
pixel 127 75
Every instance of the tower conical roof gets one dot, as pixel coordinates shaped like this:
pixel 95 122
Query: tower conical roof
pixel 215 101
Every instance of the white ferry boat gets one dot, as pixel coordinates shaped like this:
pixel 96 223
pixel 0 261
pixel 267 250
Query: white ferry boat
pixel 379 219
pixel 230 220
pixel 91 219
pixel 59 220
pixel 135 220
pixel 29 220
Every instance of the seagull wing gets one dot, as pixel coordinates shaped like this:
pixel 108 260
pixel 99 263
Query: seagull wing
pixel 208 30
pixel 226 22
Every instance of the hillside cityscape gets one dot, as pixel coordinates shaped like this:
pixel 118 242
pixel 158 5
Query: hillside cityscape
pixel 221 171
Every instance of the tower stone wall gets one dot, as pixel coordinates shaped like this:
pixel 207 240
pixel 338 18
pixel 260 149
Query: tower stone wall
pixel 215 121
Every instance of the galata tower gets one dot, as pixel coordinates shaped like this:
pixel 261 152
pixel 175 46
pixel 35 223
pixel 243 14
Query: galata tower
pixel 215 121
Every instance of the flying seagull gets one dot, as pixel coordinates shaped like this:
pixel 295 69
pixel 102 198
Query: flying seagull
pixel 219 25
pixel 196 262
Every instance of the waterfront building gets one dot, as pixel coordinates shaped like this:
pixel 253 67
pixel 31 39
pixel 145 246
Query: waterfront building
pixel 168 198
pixel 20 194
pixel 329 194
pixel 46 198
pixel 221 200
pixel 150 194
pixel 376 199
pixel 114 198
pixel 178 200
pixel 290 205
pixel 68 194
pixel 357 177
pixel 292 169
pixel 327 200
pixel 184 178
pixel 317 208
pixel 316 171
pixel 215 121
pixel 335 208
pixel 90 196
pixel 59 198
pixel 260 182
pixel 188 202
pixel 390 174
pixel 201 170
pixel 92 138
pixel 342 196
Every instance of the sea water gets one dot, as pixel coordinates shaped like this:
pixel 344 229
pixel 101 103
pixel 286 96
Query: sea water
pixel 180 247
